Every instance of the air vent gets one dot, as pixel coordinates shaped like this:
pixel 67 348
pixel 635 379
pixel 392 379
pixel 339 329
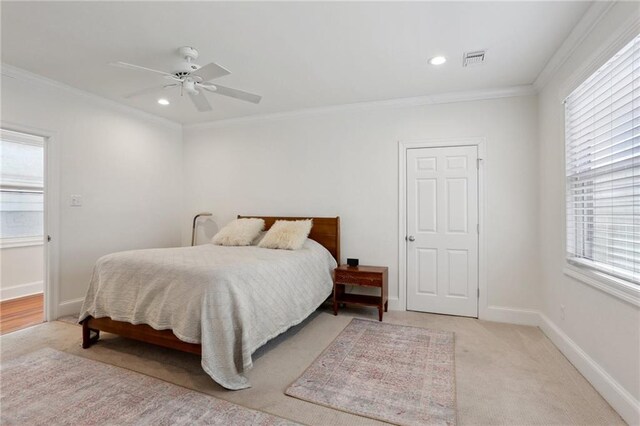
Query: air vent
pixel 473 58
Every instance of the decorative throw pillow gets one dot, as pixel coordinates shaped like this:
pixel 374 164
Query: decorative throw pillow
pixel 239 232
pixel 287 234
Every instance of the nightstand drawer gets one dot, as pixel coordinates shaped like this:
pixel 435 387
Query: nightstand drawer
pixel 373 280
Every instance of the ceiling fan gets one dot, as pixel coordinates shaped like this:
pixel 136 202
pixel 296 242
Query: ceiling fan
pixel 193 79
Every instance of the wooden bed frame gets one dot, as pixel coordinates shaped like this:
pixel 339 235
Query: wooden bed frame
pixel 326 231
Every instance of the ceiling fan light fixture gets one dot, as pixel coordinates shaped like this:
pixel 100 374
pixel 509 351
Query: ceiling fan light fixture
pixel 437 60
pixel 192 80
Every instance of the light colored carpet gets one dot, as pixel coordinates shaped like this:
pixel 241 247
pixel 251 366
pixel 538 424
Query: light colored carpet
pixel 505 374
pixel 70 319
pixel 403 375
pixel 50 387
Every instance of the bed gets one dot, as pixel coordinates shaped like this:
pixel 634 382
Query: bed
pixel 222 303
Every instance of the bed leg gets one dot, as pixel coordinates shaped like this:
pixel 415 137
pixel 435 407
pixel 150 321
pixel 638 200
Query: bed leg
pixel 87 339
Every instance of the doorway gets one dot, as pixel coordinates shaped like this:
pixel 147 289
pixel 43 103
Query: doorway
pixel 442 224
pixel 22 230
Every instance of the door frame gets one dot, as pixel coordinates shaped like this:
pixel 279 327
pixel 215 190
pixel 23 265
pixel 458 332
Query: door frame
pixel 403 147
pixel 51 214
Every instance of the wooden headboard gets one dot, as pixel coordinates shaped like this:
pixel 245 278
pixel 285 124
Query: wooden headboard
pixel 325 230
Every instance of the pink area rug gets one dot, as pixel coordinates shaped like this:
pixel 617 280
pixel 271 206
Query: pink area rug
pixel 398 374
pixel 49 387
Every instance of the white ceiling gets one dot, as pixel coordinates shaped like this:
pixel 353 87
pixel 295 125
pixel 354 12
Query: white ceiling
pixel 296 55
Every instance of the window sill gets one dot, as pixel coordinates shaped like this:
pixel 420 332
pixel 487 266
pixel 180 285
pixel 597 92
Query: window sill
pixel 21 242
pixel 614 286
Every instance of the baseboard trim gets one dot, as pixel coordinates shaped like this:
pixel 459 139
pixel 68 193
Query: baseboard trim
pixel 510 315
pixel 618 397
pixel 394 304
pixel 21 290
pixel 613 392
pixel 70 307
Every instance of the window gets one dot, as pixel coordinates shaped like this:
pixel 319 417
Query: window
pixel 21 188
pixel 603 168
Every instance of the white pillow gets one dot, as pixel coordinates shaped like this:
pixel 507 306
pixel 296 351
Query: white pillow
pixel 240 232
pixel 287 234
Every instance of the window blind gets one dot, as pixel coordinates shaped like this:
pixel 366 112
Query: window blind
pixel 21 185
pixel 602 133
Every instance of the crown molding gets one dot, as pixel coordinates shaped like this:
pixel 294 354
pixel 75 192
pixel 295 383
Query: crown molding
pixel 589 20
pixel 29 77
pixel 443 98
pixel 620 37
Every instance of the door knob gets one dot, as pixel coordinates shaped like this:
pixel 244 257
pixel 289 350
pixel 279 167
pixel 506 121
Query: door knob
pixel 411 238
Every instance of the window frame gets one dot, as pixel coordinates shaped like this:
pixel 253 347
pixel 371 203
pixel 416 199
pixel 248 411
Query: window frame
pixel 33 140
pixel 610 284
pixel 578 268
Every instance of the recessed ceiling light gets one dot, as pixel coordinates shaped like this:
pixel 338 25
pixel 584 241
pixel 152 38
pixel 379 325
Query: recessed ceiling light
pixel 163 101
pixel 437 60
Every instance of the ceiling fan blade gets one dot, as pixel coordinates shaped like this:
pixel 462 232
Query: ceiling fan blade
pixel 148 90
pixel 173 78
pixel 200 101
pixel 210 71
pixel 233 93
pixel 138 67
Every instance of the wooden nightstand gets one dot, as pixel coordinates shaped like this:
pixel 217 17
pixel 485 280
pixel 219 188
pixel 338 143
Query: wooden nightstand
pixel 368 276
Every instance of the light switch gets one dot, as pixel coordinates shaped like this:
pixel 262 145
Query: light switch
pixel 76 200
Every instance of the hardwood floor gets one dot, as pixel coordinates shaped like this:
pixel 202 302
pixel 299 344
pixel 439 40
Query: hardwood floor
pixel 22 312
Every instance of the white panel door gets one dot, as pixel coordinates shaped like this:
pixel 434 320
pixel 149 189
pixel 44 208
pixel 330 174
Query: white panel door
pixel 442 230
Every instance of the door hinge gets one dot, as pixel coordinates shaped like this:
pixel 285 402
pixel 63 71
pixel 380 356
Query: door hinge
pixel 478 292
pixel 48 238
pixel 478 160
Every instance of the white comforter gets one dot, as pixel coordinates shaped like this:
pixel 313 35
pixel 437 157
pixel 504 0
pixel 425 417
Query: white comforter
pixel 232 300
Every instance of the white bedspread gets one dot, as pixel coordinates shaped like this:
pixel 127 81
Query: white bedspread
pixel 232 300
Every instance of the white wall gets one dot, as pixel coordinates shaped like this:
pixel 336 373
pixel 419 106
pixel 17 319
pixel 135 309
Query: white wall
pixel 21 271
pixel 126 166
pixel 605 328
pixel 131 170
pixel 346 164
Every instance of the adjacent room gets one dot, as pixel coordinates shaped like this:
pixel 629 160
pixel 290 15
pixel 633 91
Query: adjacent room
pixel 320 213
